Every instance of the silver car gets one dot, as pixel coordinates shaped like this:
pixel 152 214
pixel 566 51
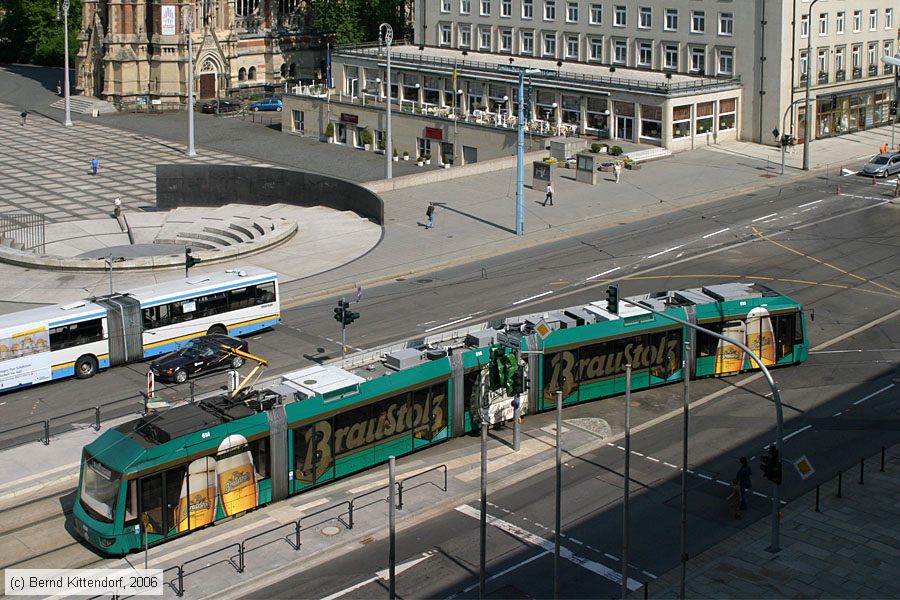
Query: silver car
pixel 882 165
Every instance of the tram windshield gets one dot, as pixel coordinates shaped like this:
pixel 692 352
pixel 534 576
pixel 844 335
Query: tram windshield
pixel 99 489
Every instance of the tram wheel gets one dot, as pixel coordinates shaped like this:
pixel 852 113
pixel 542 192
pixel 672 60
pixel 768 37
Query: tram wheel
pixel 217 329
pixel 85 367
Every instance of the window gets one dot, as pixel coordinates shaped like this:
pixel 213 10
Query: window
pixel 698 21
pixel 704 121
pixel 506 40
pixel 485 8
pixel 671 19
pixel 549 10
pixel 76 334
pixel 651 122
pixel 527 42
pixel 873 19
pixel 839 23
pixel 645 17
pixel 620 19
pixel 465 36
pixel 889 18
pixel 726 24
pixel 671 55
pixel 571 12
pixel 445 6
pixel 727 112
pixel 822 65
pixel 621 52
pixel 527 9
pixel 485 41
pixel 681 121
pixel 445 34
pixel 823 24
pixel 596 14
pixel 888 51
pixel 698 60
pixel 242 74
pixel 506 8
pixel 297 121
pixel 804 64
pixel 857 51
pixel 839 61
pixel 857 20
pixel 645 54
pixel 804 26
pixel 549 44
pixel 251 73
pixel 726 62
pixel 572 47
pixel 596 49
pixel 465 7
pixel 873 54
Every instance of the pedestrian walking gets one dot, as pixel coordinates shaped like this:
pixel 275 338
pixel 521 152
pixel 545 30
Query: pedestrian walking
pixel 735 498
pixel 883 149
pixel 429 212
pixel 24 116
pixel 59 88
pixel 549 196
pixel 743 479
pixel 117 207
pixel 95 165
pixel 617 169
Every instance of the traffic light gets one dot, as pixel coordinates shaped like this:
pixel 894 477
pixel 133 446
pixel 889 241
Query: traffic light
pixel 612 298
pixel 770 465
pixel 349 316
pixel 785 140
pixel 189 261
pixel 893 108
pixel 496 368
pixel 765 465
pixel 340 311
pixel 520 380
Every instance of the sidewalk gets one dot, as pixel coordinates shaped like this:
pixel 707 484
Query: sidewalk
pixel 850 549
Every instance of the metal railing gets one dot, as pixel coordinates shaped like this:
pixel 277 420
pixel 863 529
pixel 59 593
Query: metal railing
pixel 24 229
pixel 410 478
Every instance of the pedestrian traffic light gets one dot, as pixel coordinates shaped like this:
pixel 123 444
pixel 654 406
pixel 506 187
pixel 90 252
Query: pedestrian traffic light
pixel 612 298
pixel 764 465
pixel 520 380
pixel 189 261
pixel 785 140
pixel 340 311
pixel 893 108
pixel 770 464
pixel 496 368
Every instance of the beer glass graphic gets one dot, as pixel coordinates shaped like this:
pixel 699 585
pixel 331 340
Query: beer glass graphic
pixel 237 477
pixel 760 337
pixel 199 494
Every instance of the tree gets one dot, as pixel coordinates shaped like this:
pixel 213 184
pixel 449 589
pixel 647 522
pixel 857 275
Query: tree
pixel 30 33
pixel 339 18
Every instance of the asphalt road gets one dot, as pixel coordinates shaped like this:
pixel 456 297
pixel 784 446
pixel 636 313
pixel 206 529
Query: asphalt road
pixel 841 404
pixel 859 234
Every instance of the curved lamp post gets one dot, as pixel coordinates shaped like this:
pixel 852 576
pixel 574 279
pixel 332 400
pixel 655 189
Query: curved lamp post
pixel 894 61
pixel 65 6
pixel 809 122
pixel 387 34
pixel 190 86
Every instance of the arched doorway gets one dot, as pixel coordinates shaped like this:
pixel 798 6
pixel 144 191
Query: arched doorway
pixel 209 76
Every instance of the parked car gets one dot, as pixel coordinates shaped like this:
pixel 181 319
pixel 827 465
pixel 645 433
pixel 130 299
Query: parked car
pixel 220 106
pixel 267 104
pixel 200 355
pixel 882 165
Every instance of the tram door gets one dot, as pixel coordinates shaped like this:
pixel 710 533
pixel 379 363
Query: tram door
pixel 159 496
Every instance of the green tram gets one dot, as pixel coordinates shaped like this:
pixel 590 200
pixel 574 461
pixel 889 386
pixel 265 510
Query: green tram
pixel 197 463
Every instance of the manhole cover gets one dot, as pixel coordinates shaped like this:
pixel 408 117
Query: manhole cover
pixel 424 280
pixel 331 530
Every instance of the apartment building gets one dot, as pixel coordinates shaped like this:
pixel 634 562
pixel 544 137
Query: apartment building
pixel 762 43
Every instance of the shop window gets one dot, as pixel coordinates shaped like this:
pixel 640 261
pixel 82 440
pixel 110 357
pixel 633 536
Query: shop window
pixel 651 122
pixel 681 121
pixel 704 123
pixel 727 114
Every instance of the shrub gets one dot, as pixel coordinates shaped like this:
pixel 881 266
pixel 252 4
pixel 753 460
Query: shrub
pixel 367 136
pixel 550 160
pixel 615 150
pixel 395 152
pixel 329 130
pixel 595 148
pixel 405 153
pixel 428 157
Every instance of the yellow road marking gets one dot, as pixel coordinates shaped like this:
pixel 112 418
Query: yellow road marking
pixel 823 263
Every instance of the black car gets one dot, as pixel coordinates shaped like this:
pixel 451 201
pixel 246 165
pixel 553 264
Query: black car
pixel 220 106
pixel 200 355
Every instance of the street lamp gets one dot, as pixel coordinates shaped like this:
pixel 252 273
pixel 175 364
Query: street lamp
pixel 190 82
pixel 387 33
pixel 65 6
pixel 808 84
pixel 894 61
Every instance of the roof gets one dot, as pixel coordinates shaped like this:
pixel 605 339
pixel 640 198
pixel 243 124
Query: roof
pixel 201 282
pixel 53 315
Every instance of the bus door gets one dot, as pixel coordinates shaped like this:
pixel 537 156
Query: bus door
pixel 124 328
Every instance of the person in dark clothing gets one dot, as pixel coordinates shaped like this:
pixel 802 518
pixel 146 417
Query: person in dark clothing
pixel 743 478
pixel 429 212
pixel 24 116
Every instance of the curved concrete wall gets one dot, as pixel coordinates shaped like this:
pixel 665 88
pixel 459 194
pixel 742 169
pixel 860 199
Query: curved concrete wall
pixel 216 185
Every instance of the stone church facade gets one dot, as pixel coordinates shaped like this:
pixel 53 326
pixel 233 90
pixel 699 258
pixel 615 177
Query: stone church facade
pixel 134 53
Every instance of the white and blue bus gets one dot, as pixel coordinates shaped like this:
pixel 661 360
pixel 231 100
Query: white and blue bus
pixel 79 338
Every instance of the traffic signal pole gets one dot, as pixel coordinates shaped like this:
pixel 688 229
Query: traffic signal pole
pixel 776 396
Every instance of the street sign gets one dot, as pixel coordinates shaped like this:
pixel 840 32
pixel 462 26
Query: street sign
pixel 542 329
pixel 804 467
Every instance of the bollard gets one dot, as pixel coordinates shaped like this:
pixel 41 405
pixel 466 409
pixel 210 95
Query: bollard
pixel 817 498
pixel 96 418
pixel 840 481
pixel 46 439
pixel 838 190
pixel 882 459
pixel 240 558
pixel 297 535
pixel 180 582
pixel 862 464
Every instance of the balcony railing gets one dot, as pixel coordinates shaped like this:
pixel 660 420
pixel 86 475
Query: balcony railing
pixel 857 72
pixel 873 70
pixel 823 77
pixel 840 75
pixel 888 69
pixel 803 80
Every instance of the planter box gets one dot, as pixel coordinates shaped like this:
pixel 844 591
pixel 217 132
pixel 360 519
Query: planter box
pixel 633 166
pixel 396 158
pixel 406 157
pixel 606 167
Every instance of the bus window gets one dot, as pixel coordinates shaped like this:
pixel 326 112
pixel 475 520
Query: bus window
pixel 76 334
pixel 313 457
pixel 798 329
pixel 156 316
pixel 174 483
pixel 241 298
pixel 214 304
pixel 265 293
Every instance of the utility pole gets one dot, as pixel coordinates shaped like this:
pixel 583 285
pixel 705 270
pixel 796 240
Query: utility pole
pixel 686 374
pixel 626 482
pixel 190 80
pixel 482 560
pixel 559 403
pixel 388 35
pixel 392 558
pixel 520 158
pixel 810 120
pixel 65 6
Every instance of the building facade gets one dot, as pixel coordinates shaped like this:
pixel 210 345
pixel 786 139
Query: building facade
pixel 761 42
pixel 135 54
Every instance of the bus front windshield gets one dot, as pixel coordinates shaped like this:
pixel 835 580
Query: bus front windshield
pixel 99 489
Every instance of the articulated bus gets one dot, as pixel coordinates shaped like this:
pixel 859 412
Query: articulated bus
pixel 79 338
pixel 197 463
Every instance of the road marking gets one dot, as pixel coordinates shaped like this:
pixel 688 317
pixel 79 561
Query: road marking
pixel 856 351
pixel 653 459
pixel 383 575
pixel 765 217
pixel 709 235
pixel 670 465
pixel 884 389
pixel 809 204
pixel 664 251
pixel 504 572
pixel 636 453
pixel 848 172
pixel 530 538
pixel 532 298
pixel 447 324
pixel 799 431
pixel 607 272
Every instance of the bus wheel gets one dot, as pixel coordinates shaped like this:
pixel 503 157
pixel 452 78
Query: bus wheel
pixel 217 329
pixel 85 367
pixel 181 376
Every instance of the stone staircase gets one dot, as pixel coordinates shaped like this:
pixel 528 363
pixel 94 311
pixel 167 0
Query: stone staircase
pixel 221 229
pixel 648 154
pixel 85 105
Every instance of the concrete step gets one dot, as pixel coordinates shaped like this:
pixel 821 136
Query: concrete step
pixel 648 154
pixel 85 105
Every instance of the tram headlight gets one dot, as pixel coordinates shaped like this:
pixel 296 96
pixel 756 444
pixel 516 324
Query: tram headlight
pixel 107 542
